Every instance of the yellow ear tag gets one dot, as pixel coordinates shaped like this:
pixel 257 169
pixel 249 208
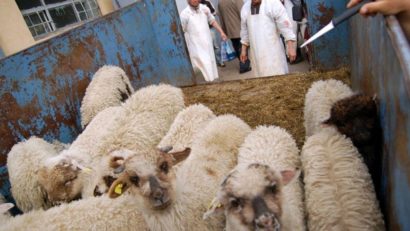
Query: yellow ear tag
pixel 118 189
pixel 87 170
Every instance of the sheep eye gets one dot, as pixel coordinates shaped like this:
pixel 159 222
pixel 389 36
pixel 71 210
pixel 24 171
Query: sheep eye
pixel 235 202
pixel 164 167
pixel 135 180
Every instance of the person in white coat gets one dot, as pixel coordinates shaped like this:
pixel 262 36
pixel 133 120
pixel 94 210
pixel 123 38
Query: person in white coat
pixel 195 21
pixel 261 23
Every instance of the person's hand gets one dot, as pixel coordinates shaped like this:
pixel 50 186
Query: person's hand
pixel 223 36
pixel 291 50
pixel 385 7
pixel 244 56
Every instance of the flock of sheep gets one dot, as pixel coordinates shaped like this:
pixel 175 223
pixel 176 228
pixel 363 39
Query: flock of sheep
pixel 144 161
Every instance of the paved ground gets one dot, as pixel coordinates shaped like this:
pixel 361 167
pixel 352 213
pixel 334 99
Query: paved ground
pixel 231 72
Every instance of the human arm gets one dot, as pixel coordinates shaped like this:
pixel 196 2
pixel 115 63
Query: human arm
pixel 184 20
pixel 386 7
pixel 244 33
pixel 219 29
pixel 277 12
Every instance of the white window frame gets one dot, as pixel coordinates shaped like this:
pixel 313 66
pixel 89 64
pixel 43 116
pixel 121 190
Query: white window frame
pixel 49 25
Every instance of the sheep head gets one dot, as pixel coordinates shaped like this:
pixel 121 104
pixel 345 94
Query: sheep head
pixel 152 183
pixel 110 169
pixel 251 198
pixel 356 117
pixel 60 179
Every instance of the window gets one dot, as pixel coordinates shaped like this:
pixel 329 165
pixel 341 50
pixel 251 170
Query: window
pixel 51 15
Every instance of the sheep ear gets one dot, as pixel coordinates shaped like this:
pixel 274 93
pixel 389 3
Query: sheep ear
pixel 216 207
pixel 288 176
pixel 5 207
pixel 119 186
pixel 180 156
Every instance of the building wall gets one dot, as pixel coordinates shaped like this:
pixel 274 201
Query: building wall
pixel 105 6
pixel 14 33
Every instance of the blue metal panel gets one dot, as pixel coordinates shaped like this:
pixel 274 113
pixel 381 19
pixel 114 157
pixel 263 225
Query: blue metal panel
pixel 1 53
pixel 41 88
pixel 379 66
pixel 331 50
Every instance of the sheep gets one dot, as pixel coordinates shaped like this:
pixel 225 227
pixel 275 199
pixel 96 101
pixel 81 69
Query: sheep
pixel 339 193
pixel 179 137
pixel 188 122
pixel 176 200
pixel 109 87
pixel 63 176
pixel 357 118
pixel 263 192
pixel 4 209
pixel 318 101
pixel 96 213
pixel 23 162
pixel 142 121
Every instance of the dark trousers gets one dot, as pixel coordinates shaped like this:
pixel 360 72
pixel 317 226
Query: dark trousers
pixel 236 43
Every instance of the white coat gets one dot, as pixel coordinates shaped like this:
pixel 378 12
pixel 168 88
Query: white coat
pixel 261 33
pixel 195 24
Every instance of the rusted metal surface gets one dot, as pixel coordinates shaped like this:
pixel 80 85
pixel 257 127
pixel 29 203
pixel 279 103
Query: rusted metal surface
pixel 330 51
pixel 41 88
pixel 379 65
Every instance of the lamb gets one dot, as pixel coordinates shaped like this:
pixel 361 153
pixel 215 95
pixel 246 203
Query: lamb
pixel 176 200
pixel 63 176
pixel 96 213
pixel 357 118
pixel 319 99
pixel 187 123
pixel 23 162
pixel 339 192
pixel 109 87
pixel 263 192
pixel 140 124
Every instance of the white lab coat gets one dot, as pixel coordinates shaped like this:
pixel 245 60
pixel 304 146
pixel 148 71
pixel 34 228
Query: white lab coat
pixel 195 24
pixel 261 33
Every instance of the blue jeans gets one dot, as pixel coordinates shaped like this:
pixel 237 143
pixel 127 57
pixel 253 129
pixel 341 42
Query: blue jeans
pixel 216 39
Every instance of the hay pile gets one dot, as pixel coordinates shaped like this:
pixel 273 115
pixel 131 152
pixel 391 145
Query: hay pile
pixel 274 100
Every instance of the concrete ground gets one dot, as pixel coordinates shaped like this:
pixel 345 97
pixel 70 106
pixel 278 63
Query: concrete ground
pixel 231 72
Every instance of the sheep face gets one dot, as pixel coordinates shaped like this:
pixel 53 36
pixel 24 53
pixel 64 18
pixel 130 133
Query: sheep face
pixel 61 182
pixel 153 184
pixel 356 117
pixel 251 198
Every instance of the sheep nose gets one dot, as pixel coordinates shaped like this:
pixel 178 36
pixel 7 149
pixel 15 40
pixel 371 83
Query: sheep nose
pixel 158 194
pixel 267 221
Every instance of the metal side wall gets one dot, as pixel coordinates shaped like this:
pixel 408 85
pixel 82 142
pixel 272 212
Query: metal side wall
pixel 380 65
pixel 332 50
pixel 41 88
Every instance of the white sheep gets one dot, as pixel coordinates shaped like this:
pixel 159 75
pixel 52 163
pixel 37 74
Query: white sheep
pixel 264 190
pixel 63 176
pixel 319 100
pixel 176 200
pixel 188 122
pixel 109 87
pixel 23 162
pixel 143 120
pixel 101 213
pixel 339 192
